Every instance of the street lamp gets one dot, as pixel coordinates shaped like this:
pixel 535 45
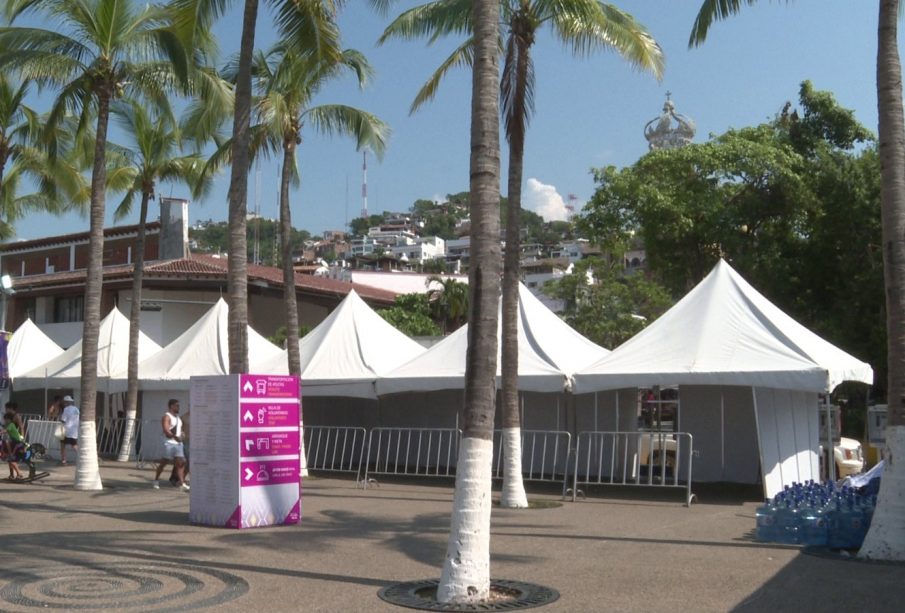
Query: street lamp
pixel 6 290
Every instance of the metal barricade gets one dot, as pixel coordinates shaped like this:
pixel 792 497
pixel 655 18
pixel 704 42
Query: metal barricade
pixel 41 431
pixel 110 434
pixel 335 448
pixel 647 459
pixel 545 455
pixel 148 442
pixel 421 452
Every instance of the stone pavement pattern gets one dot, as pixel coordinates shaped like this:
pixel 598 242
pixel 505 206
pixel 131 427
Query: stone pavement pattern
pixel 130 548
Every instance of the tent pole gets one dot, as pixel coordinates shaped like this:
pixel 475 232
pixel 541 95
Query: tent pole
pixel 722 435
pixel 595 411
pixel 760 442
pixel 830 452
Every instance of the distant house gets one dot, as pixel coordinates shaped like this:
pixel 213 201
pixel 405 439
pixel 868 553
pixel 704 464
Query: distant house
pixel 49 281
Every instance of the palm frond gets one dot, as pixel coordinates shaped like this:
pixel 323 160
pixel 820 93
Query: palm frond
pixel 368 131
pixel 432 21
pixel 710 11
pixel 461 57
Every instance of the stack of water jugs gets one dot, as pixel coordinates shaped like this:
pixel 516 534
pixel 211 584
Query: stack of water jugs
pixel 816 514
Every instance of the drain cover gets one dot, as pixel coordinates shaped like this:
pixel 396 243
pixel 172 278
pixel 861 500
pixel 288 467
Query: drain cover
pixel 510 595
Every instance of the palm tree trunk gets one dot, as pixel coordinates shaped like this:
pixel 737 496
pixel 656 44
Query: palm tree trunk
pixel 513 492
pixel 466 569
pixel 289 301
pixel 238 199
pixel 87 473
pixel 138 270
pixel 886 537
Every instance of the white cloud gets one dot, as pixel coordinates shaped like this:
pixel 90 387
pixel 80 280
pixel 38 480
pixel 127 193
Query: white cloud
pixel 544 200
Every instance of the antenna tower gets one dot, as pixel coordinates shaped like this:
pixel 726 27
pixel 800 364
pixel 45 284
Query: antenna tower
pixel 364 185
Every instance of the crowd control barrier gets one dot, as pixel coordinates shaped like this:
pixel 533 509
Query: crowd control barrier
pixel 335 448
pixel 421 452
pixel 545 455
pixel 643 459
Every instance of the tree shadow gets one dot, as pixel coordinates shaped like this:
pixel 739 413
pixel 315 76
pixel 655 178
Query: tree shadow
pixel 810 583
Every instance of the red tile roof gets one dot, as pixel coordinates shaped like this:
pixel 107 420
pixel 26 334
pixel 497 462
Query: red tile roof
pixel 203 266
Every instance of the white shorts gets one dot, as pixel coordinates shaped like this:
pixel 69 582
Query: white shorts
pixel 172 449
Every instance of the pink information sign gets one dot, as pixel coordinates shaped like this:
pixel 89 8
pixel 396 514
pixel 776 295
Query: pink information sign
pixel 246 451
pixel 273 472
pixel 268 415
pixel 262 444
pixel 268 386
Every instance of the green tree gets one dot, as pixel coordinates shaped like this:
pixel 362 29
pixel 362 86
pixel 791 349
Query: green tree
pixel 105 49
pixel 448 299
pixel 411 315
pixel 152 155
pixel 583 25
pixel 605 304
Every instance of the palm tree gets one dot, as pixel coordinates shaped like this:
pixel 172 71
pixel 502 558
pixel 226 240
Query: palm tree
pixel 583 25
pixel 886 538
pixel 305 27
pixel 25 152
pixel 466 570
pixel 286 85
pixel 103 50
pixel 152 156
pixel 448 300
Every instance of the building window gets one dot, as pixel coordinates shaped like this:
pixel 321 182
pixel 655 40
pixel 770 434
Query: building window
pixel 69 309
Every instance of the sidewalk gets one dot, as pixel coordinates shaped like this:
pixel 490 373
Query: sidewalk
pixel 130 548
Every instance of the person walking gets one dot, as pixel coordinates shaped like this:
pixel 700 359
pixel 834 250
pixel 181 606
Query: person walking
pixel 55 408
pixel 173 449
pixel 70 419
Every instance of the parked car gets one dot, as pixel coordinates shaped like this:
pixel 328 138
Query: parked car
pixel 848 457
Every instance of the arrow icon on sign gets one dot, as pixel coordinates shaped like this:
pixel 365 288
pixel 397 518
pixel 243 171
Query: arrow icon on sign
pixel 248 387
pixel 249 416
pixel 248 474
pixel 248 445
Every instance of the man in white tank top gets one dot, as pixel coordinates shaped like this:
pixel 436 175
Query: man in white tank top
pixel 173 451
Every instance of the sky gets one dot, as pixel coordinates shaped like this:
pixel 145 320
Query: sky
pixel 590 112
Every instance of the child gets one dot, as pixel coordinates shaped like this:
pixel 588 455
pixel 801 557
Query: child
pixel 14 445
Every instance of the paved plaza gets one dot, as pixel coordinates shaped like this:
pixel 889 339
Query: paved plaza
pixel 130 548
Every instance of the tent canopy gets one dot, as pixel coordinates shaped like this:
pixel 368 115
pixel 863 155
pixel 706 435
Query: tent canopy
pixel 201 350
pixel 553 339
pixel 29 348
pixel 65 370
pixel 346 352
pixel 724 332
pixel 549 351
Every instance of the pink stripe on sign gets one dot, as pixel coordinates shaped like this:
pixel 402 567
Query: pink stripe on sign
pixel 268 415
pixel 273 472
pixel 258 444
pixel 268 386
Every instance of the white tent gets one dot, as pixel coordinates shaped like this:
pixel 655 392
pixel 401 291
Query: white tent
pixel 29 348
pixel 553 339
pixel 65 370
pixel 203 349
pixel 722 336
pixel 347 351
pixel 549 351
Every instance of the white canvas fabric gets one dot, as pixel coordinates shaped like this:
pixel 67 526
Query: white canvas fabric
pixel 65 370
pixel 346 352
pixel 724 332
pixel 201 350
pixel 443 365
pixel 29 348
pixel 553 339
